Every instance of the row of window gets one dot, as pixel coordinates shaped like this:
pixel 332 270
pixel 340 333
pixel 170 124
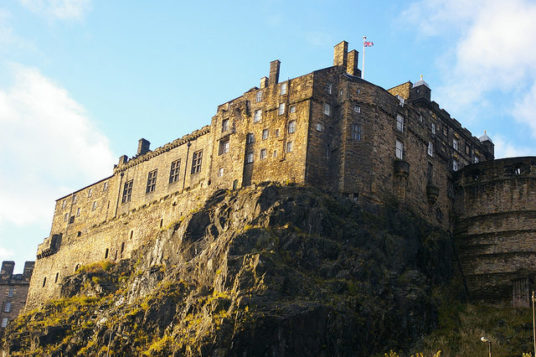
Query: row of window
pixel 399 153
pixel 89 195
pixel 263 154
pixel 282 91
pixel 174 170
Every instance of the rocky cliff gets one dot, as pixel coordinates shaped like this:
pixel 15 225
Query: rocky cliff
pixel 268 270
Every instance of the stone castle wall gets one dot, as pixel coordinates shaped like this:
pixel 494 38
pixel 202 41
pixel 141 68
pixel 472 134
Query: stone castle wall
pixel 496 230
pixel 328 128
pixel 13 291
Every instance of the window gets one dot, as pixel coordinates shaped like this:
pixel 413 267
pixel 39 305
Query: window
pixel 399 151
pixel 265 134
pixel 281 109
pixel 274 154
pixel 78 212
pixel 293 109
pixel 174 171
pixel 5 320
pixel 289 146
pixel 106 253
pixel 151 181
pixel 196 161
pixel 257 116
pixel 467 149
pixel 56 278
pixel 358 91
pixel 356 132
pixel 455 165
pixel 319 127
pixel 292 127
pixel 65 217
pixel 430 149
pixel 220 172
pixel 94 206
pixel 250 139
pixel 105 186
pixel 327 109
pixel 258 98
pixel 224 146
pixel 7 307
pixel 455 144
pixel 75 198
pixel 433 128
pixel 330 88
pixel 399 122
pixel 357 109
pixel 283 88
pixel 63 204
pixel 44 282
pixel 10 292
pixel 263 154
pixel 224 125
pixel 420 118
pixel 249 158
pixel 475 159
pixel 276 133
pixel 127 191
pixel 90 192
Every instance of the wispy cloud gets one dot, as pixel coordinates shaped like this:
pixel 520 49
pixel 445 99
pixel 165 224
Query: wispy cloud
pixel 47 139
pixel 5 254
pixel 493 52
pixel 59 9
pixel 505 148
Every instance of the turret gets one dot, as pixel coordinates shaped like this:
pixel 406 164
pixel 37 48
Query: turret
pixel 420 90
pixel 488 145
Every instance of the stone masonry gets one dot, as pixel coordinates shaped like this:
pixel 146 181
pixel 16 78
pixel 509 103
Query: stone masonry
pixel 329 128
pixel 13 291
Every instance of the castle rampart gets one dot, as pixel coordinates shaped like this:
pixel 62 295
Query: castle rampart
pixel 13 291
pixel 496 230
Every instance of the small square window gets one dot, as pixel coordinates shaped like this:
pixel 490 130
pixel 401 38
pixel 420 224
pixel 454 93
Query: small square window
pixel 258 98
pixel 224 125
pixel 283 88
pixel 399 150
pixel 357 109
pixel 289 146
pixel 249 158
pixel 292 126
pixel 399 122
pixel 293 109
pixel 281 109
pixel 319 127
pixel 265 133
pixel 263 154
pixel 358 91
pixel 327 109
pixel 257 116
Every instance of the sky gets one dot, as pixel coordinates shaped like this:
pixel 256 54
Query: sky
pixel 82 80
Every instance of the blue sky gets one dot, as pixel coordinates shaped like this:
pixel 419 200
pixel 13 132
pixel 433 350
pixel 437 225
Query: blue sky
pixel 82 80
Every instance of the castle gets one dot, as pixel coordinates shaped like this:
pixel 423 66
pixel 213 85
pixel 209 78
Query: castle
pixel 330 129
pixel 13 291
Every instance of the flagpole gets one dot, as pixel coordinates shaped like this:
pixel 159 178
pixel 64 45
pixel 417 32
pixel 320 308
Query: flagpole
pixel 363 71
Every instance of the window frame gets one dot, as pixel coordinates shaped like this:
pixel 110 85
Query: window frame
pixel 224 125
pixel 281 109
pixel 174 171
pixel 356 132
pixel 263 154
pixel 197 161
pixel 127 191
pixel 224 145
pixel 292 126
pixel 257 116
pixel 151 181
pixel 400 123
pixel 326 109
pixel 399 150
pixel 265 134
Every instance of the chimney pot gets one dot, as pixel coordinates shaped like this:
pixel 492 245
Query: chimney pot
pixel 143 146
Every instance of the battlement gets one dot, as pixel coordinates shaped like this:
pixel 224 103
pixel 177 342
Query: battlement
pixel 7 276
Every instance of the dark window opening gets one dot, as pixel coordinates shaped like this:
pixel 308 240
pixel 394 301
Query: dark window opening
pixel 106 254
pixel 71 219
pixel 131 234
pixel 127 191
pixel 44 281
pixel 196 161
pixel 161 222
pixel 78 234
pixel 174 171
pixel 151 181
pixel 56 278
pixel 235 184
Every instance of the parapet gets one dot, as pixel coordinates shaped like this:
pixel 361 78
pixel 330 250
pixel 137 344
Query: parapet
pixel 7 276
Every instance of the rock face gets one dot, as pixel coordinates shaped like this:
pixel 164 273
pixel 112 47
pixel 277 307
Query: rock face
pixel 264 271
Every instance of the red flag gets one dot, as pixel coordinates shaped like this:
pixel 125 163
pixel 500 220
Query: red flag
pixel 368 43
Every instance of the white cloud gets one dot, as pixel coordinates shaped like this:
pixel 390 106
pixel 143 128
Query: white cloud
pixel 505 148
pixel 493 54
pixel 47 144
pixel 59 9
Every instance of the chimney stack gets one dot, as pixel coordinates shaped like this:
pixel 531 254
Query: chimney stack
pixel 143 146
pixel 340 54
pixel 264 82
pixel 274 72
pixel 351 67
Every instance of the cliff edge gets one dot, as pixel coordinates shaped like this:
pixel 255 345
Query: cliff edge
pixel 267 270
